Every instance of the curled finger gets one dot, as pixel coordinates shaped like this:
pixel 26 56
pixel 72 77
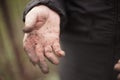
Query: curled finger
pixel 50 55
pixel 29 49
pixel 42 62
pixel 57 49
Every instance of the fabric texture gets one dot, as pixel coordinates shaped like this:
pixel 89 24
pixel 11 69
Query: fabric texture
pixel 56 5
pixel 88 61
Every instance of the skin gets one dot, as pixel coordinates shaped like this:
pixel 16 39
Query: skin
pixel 117 68
pixel 41 38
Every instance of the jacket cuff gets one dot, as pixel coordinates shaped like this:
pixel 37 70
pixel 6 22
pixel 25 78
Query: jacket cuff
pixel 55 5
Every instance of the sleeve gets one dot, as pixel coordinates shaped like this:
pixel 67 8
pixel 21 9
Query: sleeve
pixel 56 5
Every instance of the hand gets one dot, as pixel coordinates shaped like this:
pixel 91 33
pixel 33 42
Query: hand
pixel 41 39
pixel 117 67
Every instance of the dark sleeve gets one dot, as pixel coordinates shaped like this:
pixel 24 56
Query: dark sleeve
pixel 56 5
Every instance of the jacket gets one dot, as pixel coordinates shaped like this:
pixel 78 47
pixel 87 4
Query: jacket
pixel 96 21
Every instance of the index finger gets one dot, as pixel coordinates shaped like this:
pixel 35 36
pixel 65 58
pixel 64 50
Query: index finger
pixel 28 45
pixel 42 62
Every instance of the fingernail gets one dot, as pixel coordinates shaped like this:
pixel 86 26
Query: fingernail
pixel 56 62
pixel 45 71
pixel 61 53
pixel 27 29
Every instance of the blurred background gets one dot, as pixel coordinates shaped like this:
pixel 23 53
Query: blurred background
pixel 14 63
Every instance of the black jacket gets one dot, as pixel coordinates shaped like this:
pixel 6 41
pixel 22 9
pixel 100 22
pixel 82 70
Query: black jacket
pixel 87 20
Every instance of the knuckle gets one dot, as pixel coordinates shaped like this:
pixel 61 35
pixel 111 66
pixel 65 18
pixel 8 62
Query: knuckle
pixel 48 55
pixel 42 58
pixel 57 51
pixel 56 45
pixel 48 49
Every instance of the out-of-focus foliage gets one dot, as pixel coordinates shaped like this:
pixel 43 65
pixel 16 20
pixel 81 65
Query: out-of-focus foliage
pixel 14 64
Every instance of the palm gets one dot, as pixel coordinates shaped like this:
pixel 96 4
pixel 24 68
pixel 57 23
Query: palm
pixel 43 40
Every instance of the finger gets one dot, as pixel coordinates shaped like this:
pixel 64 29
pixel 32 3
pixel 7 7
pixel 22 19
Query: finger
pixel 28 47
pixel 40 22
pixel 42 63
pixel 118 77
pixel 57 49
pixel 30 21
pixel 50 56
pixel 117 67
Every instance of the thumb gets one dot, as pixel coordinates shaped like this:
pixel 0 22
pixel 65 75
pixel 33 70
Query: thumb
pixel 30 21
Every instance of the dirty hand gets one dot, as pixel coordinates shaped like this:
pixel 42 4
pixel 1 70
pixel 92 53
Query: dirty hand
pixel 117 67
pixel 41 39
